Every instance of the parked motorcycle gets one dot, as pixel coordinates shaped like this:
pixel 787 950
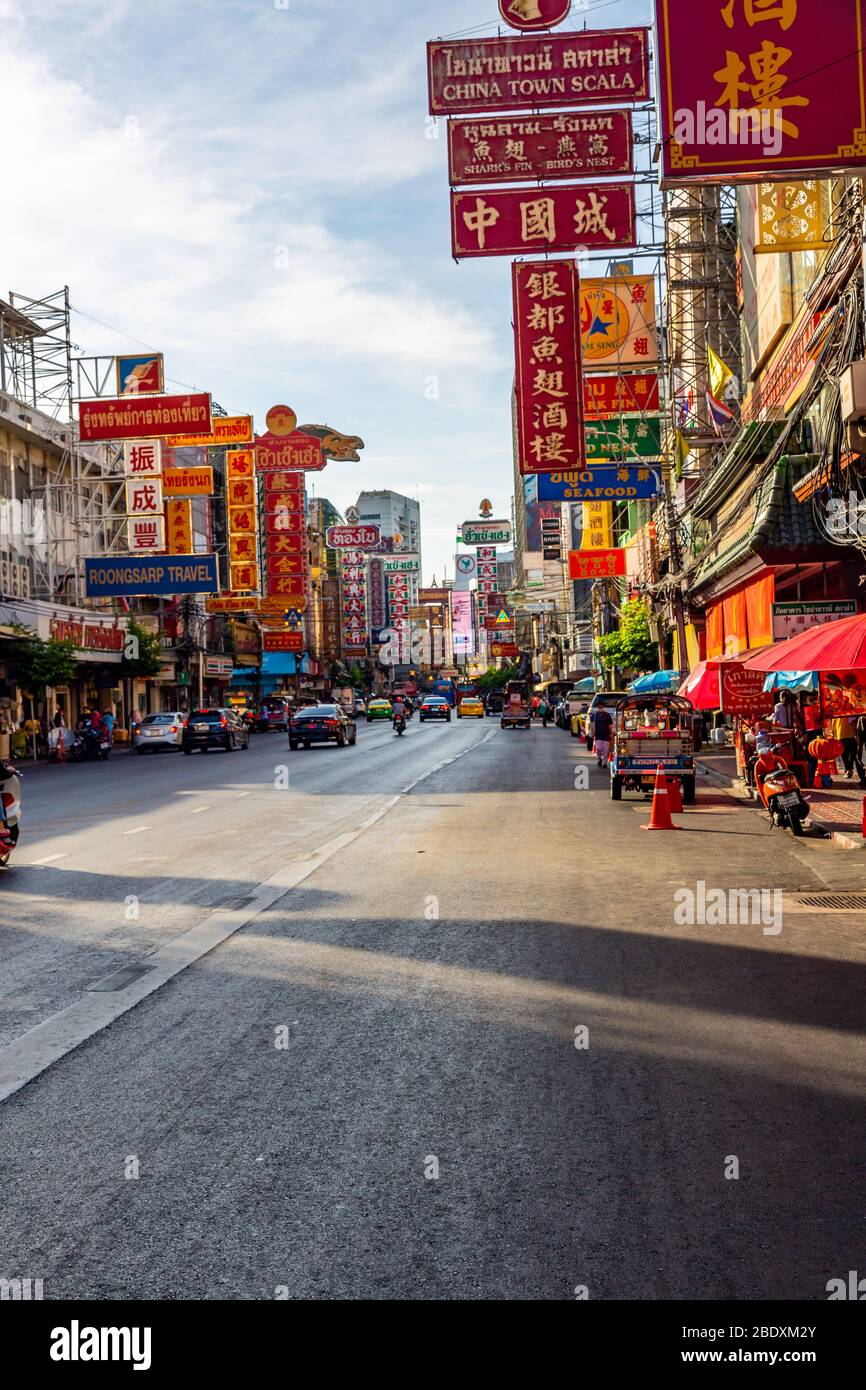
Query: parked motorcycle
pixel 10 806
pixel 780 792
pixel 96 745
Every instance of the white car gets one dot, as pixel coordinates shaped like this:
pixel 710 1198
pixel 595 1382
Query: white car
pixel 160 731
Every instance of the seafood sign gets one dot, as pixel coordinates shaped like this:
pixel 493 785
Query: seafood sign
pixel 148 418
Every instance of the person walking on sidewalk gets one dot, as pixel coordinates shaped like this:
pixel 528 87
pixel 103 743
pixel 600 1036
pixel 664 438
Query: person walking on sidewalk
pixel 845 730
pixel 602 726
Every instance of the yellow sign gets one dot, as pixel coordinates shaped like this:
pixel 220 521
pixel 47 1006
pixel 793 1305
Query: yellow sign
pixel 227 430
pixel 618 321
pixel 240 463
pixel 242 546
pixel 789 217
pixel 245 576
pixel 187 482
pixel 597 526
pixel 178 525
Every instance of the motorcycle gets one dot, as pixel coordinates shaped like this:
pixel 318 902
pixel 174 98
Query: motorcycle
pixel 10 806
pixel 96 745
pixel 780 792
pixel 400 724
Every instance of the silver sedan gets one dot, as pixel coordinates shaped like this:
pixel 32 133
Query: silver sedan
pixel 160 731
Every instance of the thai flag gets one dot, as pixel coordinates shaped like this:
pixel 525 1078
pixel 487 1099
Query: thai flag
pixel 719 413
pixel 125 605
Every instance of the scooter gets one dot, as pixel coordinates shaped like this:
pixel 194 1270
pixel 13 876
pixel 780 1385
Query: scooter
pixel 10 806
pixel 780 792
pixel 400 724
pixel 96 744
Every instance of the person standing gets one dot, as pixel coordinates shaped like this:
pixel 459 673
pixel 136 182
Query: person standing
pixel 602 726
pixel 845 730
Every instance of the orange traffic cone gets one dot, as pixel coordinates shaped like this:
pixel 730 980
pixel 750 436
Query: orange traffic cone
pixel 61 745
pixel 660 816
pixel 676 796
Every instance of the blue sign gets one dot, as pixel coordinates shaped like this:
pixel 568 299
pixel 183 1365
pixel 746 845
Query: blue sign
pixel 112 576
pixel 293 618
pixel 602 484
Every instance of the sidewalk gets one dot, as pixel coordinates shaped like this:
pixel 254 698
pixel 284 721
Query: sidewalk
pixel 838 811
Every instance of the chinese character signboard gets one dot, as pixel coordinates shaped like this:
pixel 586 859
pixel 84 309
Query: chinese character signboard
pixel 144 497
pixel 284 533
pixel 283 642
pixel 548 383
pixel 618 322
pixel 521 149
pixel 140 375
pixel 602 482
pixel 596 564
pixel 178 525
pixel 534 14
pixel 145 534
pixel 620 393
pixel 790 619
pixel 353 600
pixel 760 89
pixel 514 74
pixel 629 436
pixel 134 418
pixel 143 459
pixel 513 221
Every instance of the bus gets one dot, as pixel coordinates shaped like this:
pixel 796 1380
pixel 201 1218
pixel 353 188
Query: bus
pixel 441 685
pixel 464 689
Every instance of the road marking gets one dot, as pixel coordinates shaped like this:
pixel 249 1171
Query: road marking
pixel 238 795
pixel 49 859
pixel 139 829
pixel 197 810
pixel 27 1056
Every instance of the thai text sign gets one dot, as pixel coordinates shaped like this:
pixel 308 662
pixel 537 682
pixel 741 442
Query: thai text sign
pixel 227 429
pixel 600 483
pixel 518 149
pixel 759 89
pixel 88 636
pixel 144 418
pixel 742 691
pixel 405 564
pixel 283 641
pixel 109 576
pixel 629 436
pixel 789 619
pixel 188 482
pixel 295 451
pixel 548 385
pixel 618 322
pixel 364 537
pixel 619 393
pixel 486 533
pixel 513 221
pixel 508 74
pixel 595 564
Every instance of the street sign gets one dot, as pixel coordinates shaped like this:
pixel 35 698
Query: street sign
pixel 282 641
pixel 486 532
pixel 364 537
pixel 119 576
pixel 293 617
pixel 601 483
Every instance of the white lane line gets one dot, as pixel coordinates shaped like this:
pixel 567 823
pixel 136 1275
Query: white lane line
pixel 22 1060
pixel 238 795
pixel 139 830
pixel 197 810
pixel 49 859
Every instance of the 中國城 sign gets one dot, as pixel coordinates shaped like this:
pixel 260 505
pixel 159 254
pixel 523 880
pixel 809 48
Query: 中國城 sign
pixel 757 90
pixel 528 73
pixel 514 221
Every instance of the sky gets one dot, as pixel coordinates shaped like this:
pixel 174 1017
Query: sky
pixel 253 187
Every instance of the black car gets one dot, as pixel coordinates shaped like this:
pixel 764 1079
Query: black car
pixel 435 707
pixel 495 702
pixel 215 728
pixel 322 724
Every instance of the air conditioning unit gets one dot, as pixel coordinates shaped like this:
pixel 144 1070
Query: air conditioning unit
pixel 852 387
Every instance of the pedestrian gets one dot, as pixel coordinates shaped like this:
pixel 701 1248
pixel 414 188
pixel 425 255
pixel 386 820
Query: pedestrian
pixel 533 706
pixel 602 726
pixel 59 718
pixel 108 722
pixel 543 712
pixel 844 729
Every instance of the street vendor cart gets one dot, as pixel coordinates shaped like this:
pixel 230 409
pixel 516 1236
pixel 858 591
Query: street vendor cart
pixel 648 731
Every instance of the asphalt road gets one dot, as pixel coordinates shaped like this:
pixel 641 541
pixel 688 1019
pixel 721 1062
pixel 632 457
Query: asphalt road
pixel 369 1086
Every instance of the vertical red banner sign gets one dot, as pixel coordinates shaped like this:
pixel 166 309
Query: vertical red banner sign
pixel 548 378
pixel 284 534
pixel 353 584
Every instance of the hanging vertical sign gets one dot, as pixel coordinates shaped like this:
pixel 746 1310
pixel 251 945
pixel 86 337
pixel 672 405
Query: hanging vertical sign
pixel 242 520
pixel 353 595
pixel 284 533
pixel 548 377
pixel 178 525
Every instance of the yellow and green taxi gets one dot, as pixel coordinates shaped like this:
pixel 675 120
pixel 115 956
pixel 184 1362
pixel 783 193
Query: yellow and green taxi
pixel 379 709
pixel 470 707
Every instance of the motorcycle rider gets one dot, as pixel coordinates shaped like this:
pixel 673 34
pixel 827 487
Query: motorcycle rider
pixel 398 711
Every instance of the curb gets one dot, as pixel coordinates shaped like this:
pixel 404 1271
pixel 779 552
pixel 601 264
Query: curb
pixel 734 787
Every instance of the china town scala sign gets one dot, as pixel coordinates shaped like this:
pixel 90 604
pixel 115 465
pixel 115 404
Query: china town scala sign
pixel 88 636
pixel 528 15
pixel 363 537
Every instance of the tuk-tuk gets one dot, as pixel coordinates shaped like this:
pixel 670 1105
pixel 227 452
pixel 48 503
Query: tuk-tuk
pixel 649 730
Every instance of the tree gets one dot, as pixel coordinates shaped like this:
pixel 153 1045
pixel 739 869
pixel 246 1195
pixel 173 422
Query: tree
pixel 631 649
pixel 494 678
pixel 39 664
pixel 142 652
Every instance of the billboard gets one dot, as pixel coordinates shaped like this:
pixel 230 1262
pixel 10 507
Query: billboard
pixel 461 626
pixel 610 66
pixel 486 532
pixel 548 384
pixel 521 149
pixel 760 89
pixel 227 430
pixel 363 537
pixel 620 393
pixel 284 446
pixel 628 436
pixel 187 482
pixel 618 322
pixel 604 482
pixel 596 564
pixel 153 417
pixel 514 221
pixel 107 576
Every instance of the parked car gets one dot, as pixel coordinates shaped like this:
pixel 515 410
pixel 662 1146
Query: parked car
pixel 379 709
pixel 322 724
pixel 275 713
pixel 435 707
pixel 159 731
pixel 215 728
pixel 470 707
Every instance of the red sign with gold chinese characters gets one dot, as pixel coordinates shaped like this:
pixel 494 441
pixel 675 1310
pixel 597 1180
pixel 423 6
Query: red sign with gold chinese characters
pixel 620 393
pixel 595 564
pixel 521 149
pixel 548 380
pixel 534 14
pixel 514 221
pixel 760 89
pixel 283 641
pixel 539 70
